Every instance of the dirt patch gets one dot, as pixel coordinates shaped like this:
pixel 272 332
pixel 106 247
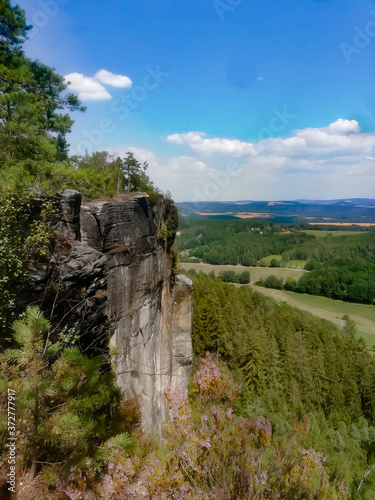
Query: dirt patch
pixel 250 215
pixel 363 224
pixel 212 213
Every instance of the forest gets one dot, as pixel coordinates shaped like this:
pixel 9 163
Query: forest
pixel 280 404
pixel 290 363
pixel 341 267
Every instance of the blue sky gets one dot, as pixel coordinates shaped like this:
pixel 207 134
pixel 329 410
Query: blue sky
pixel 226 99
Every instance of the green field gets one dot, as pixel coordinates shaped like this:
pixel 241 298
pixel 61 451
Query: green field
pixel 329 309
pixel 293 264
pixel 255 272
pixel 322 234
pixel 296 264
pixel 266 261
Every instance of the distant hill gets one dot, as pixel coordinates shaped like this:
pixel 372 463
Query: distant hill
pixel 348 210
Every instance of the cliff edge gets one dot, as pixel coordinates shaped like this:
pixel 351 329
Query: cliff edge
pixel 122 261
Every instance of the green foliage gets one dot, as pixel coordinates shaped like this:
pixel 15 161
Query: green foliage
pixel 102 174
pixel 27 235
pixel 172 220
pixel 312 264
pixel 228 276
pixel 221 453
pixel 290 363
pixel 32 136
pixel 115 447
pixel 340 268
pixel 236 241
pixel 290 284
pixel 13 28
pixel 175 261
pixel 68 402
pixel 33 144
pixel 343 279
pixel 273 282
pixel 244 278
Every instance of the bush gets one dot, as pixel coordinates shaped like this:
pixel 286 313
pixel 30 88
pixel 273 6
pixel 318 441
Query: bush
pixel 290 284
pixel 273 282
pixel 244 278
pixel 228 276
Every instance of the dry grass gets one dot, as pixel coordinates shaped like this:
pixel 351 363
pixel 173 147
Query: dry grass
pixel 256 273
pixel 363 224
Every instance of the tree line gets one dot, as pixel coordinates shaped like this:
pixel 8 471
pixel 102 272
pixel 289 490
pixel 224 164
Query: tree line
pixel 290 363
pixel 341 267
pixel 341 279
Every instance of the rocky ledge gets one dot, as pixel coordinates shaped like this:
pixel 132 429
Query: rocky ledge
pixel 118 279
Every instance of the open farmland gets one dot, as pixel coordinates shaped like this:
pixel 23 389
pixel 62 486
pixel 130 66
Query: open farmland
pixel 322 307
pixel 363 224
pixel 256 273
pixel 293 264
pixel 322 234
pixel 329 309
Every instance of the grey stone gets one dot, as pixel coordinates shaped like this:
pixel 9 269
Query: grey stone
pixel 146 312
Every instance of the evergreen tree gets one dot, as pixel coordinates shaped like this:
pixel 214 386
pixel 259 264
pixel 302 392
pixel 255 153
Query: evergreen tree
pixel 34 382
pixel 32 135
pixel 68 402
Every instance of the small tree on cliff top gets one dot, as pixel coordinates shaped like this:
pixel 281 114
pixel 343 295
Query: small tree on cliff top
pixel 135 172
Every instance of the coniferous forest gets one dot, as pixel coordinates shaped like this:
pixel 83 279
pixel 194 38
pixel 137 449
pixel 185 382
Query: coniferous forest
pixel 281 404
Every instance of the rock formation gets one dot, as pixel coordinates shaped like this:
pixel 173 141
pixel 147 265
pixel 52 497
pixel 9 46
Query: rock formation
pixel 118 279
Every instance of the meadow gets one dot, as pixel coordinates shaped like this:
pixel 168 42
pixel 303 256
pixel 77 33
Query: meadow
pixel 292 264
pixel 256 273
pixel 322 233
pixel 322 307
pixel 329 309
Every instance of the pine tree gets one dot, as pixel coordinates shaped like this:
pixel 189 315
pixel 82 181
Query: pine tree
pixel 32 135
pixel 68 402
pixel 34 382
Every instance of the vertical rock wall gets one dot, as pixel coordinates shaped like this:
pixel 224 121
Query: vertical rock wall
pixel 149 316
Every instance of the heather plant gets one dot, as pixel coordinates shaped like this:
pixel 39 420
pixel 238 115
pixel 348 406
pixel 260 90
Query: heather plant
pixel 222 455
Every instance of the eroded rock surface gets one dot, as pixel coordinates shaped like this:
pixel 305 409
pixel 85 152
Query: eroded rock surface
pixel 124 254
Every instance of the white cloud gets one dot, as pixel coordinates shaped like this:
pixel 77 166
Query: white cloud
pixel 109 78
pixel 91 89
pixel 339 140
pixel 87 87
pixel 141 154
pixel 341 127
pixel 186 165
pixel 213 147
pixel 325 162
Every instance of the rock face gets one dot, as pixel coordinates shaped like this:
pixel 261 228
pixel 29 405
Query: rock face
pixel 122 250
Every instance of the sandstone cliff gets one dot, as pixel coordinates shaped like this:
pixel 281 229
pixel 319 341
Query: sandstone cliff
pixel 117 278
